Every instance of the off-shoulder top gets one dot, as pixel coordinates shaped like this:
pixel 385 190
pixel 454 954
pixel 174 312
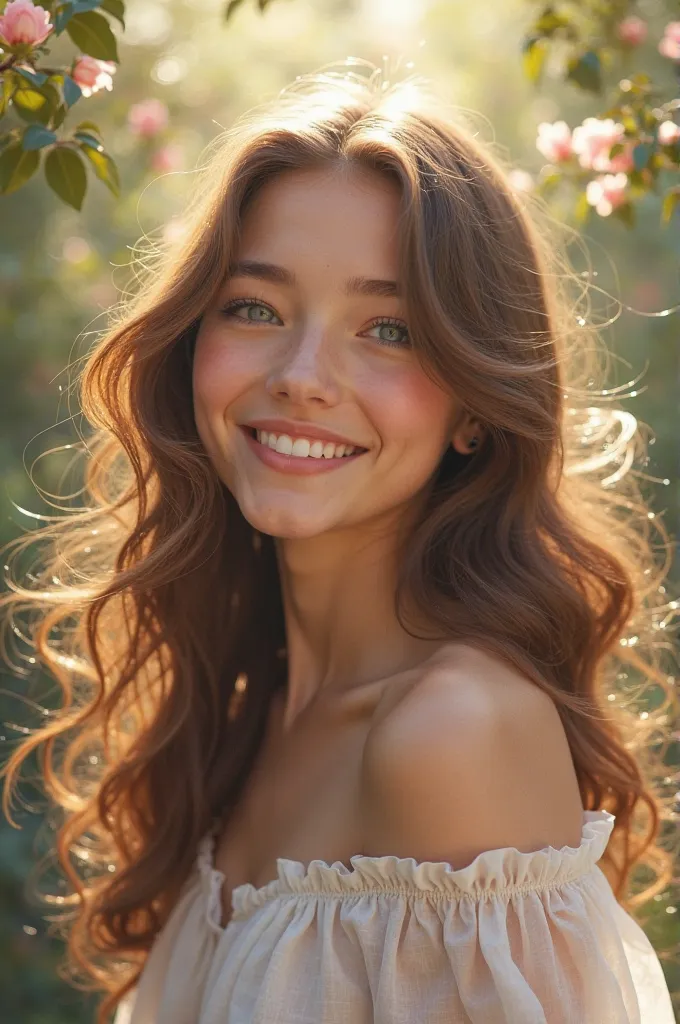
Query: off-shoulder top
pixel 513 938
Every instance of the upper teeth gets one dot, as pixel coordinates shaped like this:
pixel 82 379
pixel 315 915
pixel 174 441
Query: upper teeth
pixel 302 447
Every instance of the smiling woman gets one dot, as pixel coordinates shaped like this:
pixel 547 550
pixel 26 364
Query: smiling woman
pixel 344 650
pixel 327 347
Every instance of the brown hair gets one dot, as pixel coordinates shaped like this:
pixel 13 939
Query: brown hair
pixel 158 607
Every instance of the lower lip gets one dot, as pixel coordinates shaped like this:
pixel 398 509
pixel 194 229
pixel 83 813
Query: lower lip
pixel 293 463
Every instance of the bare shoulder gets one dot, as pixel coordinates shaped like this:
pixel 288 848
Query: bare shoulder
pixel 472 757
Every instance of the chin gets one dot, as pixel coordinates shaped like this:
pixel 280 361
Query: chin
pixel 284 524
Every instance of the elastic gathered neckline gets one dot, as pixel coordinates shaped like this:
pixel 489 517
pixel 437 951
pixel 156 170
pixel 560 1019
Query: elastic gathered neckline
pixel 511 936
pixel 493 874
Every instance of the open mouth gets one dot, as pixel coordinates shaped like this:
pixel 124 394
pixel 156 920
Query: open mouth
pixel 314 450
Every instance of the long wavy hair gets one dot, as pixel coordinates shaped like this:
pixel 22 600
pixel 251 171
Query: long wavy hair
pixel 157 607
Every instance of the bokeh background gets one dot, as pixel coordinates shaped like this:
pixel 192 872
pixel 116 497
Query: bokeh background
pixel 61 270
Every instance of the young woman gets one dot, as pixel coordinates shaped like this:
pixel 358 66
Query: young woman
pixel 344 609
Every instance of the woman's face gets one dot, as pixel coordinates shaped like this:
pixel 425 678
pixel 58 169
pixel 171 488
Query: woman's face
pixel 300 340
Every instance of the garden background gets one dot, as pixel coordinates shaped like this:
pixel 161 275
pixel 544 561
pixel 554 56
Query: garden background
pixel 61 269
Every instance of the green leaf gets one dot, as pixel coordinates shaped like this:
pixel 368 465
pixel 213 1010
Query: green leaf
pixel 636 180
pixel 35 105
pixel 650 122
pixel 231 8
pixel 534 53
pixel 35 77
pixel 71 91
pixel 104 167
pixel 583 209
pixel 35 137
pixel 641 155
pixel 88 140
pixel 92 35
pixel 549 22
pixel 58 118
pixel 62 17
pixel 88 126
pixel 549 178
pixel 670 202
pixel 16 167
pixel 79 6
pixel 29 99
pixel 65 174
pixel 6 92
pixel 585 71
pixel 116 8
pixel 626 214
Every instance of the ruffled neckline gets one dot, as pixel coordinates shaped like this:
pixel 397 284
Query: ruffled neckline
pixel 492 873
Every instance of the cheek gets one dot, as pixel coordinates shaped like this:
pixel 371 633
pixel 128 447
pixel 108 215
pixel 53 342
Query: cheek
pixel 414 412
pixel 221 373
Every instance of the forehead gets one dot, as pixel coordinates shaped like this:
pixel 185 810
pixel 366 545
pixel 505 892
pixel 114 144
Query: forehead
pixel 329 210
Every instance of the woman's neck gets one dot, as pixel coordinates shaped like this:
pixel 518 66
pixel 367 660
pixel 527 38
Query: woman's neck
pixel 338 593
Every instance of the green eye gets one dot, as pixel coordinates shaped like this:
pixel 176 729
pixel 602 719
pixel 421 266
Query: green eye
pixel 396 332
pixel 251 304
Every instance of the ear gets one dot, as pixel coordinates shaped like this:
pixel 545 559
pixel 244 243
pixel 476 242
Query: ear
pixel 466 431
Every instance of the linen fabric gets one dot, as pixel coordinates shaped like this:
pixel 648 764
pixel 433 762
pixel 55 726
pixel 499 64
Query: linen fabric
pixel 513 938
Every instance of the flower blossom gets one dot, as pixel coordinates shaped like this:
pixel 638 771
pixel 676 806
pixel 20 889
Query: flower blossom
pixel 593 140
pixel 92 74
pixel 632 30
pixel 168 158
pixel 607 192
pixel 148 118
pixel 22 22
pixel 670 44
pixel 554 140
pixel 669 132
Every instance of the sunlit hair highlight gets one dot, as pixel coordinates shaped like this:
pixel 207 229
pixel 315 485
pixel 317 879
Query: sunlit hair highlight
pixel 157 607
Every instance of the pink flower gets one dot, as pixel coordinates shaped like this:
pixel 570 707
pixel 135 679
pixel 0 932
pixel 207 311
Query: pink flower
pixel 632 30
pixel 148 117
pixel 92 74
pixel 168 158
pixel 669 132
pixel 670 44
pixel 607 192
pixel 593 140
pixel 621 162
pixel 21 22
pixel 554 140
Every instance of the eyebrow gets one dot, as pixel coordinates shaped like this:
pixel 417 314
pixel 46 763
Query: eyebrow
pixel 280 275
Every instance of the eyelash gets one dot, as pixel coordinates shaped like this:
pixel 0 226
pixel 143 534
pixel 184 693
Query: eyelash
pixel 379 321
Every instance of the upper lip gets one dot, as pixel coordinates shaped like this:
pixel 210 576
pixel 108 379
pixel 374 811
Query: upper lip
pixel 293 429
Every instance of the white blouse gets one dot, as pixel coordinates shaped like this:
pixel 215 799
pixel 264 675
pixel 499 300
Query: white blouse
pixel 513 938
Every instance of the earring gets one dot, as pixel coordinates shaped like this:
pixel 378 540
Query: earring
pixel 472 443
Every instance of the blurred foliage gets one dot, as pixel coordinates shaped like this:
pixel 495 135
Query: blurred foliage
pixel 61 270
pixel 608 51
pixel 587 43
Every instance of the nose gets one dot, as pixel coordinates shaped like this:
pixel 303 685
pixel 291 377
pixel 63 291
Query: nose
pixel 305 371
